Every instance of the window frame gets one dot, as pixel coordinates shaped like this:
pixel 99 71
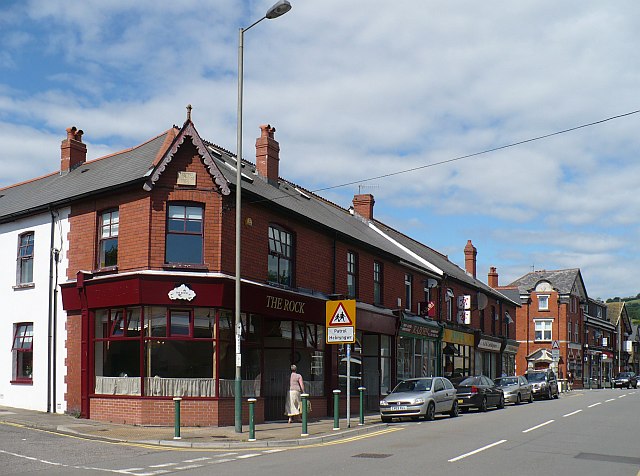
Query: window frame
pixel 544 330
pixel 280 255
pixel 16 350
pixel 27 257
pixel 101 261
pixel 184 232
pixel 352 274
pixel 378 277
pixel 408 292
pixel 543 298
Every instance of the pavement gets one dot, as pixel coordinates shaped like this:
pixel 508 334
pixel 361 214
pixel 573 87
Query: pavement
pixel 273 434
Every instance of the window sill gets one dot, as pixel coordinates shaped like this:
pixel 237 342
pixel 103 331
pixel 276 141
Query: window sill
pixel 185 267
pixel 105 270
pixel 22 382
pixel 24 286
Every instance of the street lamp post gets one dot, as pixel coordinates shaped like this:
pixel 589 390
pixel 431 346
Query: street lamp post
pixel 278 9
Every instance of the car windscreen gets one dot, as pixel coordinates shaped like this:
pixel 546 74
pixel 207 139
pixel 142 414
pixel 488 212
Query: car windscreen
pixel 624 374
pixel 470 381
pixel 421 385
pixel 536 377
pixel 505 381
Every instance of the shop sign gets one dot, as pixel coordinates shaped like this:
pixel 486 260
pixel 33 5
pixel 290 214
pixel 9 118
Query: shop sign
pixel 182 293
pixel 417 330
pixel 457 337
pixel 282 304
pixel 511 349
pixel 492 346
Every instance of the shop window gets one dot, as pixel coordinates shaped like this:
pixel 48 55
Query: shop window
pixel 108 239
pixel 352 275
pixel 280 261
pixel 377 283
pixel 25 259
pixel 184 234
pixel 543 329
pixel 22 351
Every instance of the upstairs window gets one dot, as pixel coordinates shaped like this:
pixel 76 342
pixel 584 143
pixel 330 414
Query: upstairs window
pixel 352 275
pixel 280 261
pixel 25 258
pixel 22 351
pixel 543 302
pixel 108 246
pixel 543 329
pixel 408 282
pixel 377 283
pixel 184 234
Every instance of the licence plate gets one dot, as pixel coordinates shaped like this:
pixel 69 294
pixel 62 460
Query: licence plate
pixel 460 400
pixel 398 409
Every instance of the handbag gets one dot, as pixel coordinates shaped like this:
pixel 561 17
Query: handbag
pixel 308 406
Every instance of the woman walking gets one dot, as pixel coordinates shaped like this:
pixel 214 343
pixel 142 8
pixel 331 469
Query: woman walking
pixel 293 405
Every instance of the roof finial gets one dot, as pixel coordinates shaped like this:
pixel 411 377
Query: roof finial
pixel 189 112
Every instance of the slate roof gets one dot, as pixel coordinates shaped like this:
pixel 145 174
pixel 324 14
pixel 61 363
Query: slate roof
pixel 139 163
pixel 562 280
pixel 95 176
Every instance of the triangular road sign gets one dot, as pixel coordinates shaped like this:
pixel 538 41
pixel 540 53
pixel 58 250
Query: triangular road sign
pixel 340 317
pixel 555 345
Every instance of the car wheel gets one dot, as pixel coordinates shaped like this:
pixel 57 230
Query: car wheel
pixel 386 419
pixel 431 412
pixel 483 405
pixel 518 399
pixel 549 394
pixel 501 402
pixel 557 395
pixel 455 410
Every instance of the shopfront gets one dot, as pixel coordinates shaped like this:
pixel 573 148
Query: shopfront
pixel 458 352
pixel 418 347
pixel 509 351
pixel 488 355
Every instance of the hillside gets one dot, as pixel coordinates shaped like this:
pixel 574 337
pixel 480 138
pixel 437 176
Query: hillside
pixel 633 307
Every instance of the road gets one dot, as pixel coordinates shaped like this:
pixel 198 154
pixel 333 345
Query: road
pixel 583 433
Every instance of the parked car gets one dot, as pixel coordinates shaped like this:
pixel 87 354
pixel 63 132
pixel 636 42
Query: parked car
pixel 479 392
pixel 544 383
pixel 420 398
pixel 516 389
pixel 626 379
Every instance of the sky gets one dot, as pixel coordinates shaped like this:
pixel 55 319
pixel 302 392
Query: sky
pixel 397 99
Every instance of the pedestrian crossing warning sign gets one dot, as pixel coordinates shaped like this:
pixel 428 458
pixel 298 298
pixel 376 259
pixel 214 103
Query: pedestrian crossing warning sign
pixel 341 322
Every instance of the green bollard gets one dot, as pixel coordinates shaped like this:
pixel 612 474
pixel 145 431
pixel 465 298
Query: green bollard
pixel 176 420
pixel 361 389
pixel 304 396
pixel 252 421
pixel 336 409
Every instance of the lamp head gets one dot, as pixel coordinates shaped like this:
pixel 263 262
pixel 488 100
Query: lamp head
pixel 278 9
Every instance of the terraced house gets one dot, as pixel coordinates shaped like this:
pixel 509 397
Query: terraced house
pixel 140 245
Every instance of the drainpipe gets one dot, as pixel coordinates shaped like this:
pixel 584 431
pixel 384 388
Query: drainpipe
pixel 52 316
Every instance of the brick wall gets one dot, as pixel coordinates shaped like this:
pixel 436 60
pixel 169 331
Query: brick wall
pixel 73 361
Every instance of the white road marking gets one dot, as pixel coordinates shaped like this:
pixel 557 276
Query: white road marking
pixel 572 413
pixel 249 455
pixel 537 426
pixel 195 460
pixel 610 400
pixel 273 451
pixel 163 465
pixel 595 405
pixel 223 460
pixel 458 458
pixel 189 466
pixel 622 396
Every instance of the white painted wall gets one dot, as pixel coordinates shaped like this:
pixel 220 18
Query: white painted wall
pixel 32 305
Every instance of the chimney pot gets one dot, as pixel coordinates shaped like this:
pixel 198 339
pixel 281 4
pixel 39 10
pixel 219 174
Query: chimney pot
pixel 268 154
pixel 470 253
pixel 492 277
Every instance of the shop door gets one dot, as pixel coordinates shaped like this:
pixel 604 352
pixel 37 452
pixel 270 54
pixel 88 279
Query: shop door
pixel 277 372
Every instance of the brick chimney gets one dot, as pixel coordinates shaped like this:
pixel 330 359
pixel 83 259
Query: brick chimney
pixel 492 277
pixel 470 254
pixel 363 205
pixel 73 152
pixel 268 154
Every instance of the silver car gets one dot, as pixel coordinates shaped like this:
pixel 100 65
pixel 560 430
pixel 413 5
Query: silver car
pixel 420 398
pixel 516 389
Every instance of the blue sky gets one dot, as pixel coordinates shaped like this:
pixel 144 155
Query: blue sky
pixel 364 89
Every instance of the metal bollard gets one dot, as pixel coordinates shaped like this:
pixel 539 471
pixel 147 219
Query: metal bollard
pixel 176 419
pixel 304 396
pixel 252 420
pixel 361 389
pixel 336 409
